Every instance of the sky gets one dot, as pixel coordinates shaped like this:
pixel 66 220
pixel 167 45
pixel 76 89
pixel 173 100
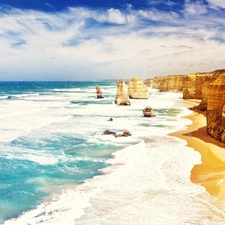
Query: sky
pixel 109 39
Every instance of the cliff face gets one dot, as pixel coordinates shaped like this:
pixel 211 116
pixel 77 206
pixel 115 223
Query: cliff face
pixel 137 89
pixel 121 96
pixel 210 87
pixel 148 82
pixel 193 85
pixel 173 83
pixel 209 79
pixel 216 108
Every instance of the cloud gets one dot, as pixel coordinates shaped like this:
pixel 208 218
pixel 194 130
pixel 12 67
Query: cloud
pixel 216 4
pixel 195 8
pixel 82 43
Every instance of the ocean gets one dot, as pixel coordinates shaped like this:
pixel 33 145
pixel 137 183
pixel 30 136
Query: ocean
pixel 57 167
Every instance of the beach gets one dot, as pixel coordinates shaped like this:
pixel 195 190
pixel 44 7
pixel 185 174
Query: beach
pixel 210 173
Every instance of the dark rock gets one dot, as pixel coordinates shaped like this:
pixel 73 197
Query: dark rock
pixel 108 132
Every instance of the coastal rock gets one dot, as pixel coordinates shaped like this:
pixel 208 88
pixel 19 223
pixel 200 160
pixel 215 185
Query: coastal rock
pixel 170 83
pixel 209 79
pixel 99 92
pixel 137 89
pixel 215 114
pixel 126 133
pixel 148 82
pixel 194 84
pixel 108 132
pixel 148 112
pixel 122 96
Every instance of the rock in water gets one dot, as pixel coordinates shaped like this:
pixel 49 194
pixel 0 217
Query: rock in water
pixel 99 92
pixel 148 112
pixel 121 96
pixel 108 132
pixel 126 133
pixel 137 89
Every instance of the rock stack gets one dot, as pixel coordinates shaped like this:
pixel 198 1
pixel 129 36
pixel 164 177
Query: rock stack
pixel 137 89
pixel 121 96
pixel 99 92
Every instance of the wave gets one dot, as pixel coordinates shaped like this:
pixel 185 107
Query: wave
pixel 140 185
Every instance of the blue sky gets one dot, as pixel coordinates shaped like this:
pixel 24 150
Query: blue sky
pixel 106 39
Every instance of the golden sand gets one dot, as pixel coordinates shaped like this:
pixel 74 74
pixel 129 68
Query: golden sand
pixel 211 172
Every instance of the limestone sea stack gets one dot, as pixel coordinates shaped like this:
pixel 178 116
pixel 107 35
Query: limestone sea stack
pixel 99 92
pixel 215 113
pixel 121 96
pixel 137 89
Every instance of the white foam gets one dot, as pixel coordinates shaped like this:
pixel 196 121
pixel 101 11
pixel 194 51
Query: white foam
pixel 146 184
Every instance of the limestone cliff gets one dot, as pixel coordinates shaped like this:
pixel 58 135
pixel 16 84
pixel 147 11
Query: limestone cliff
pixel 215 114
pixel 172 83
pixel 148 82
pixel 209 79
pixel 122 96
pixel 137 89
pixel 193 85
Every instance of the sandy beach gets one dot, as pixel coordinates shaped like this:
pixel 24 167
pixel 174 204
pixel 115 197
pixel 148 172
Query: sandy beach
pixel 210 173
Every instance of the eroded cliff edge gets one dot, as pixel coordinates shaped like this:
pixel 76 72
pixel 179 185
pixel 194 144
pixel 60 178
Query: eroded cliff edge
pixel 209 87
pixel 215 113
pixel 170 83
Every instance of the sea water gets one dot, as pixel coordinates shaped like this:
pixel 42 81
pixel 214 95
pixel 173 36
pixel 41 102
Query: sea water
pixel 56 167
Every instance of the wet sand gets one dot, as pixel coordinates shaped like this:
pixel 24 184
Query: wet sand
pixel 211 172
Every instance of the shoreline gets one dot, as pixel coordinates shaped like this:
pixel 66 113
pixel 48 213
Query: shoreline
pixel 210 173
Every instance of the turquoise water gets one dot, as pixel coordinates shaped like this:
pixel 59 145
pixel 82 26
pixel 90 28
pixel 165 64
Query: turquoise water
pixel 51 136
pixel 36 162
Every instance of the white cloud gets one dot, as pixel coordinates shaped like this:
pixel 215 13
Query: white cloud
pixel 77 44
pixel 216 3
pixel 194 8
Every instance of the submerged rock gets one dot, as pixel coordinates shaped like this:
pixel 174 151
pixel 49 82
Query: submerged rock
pixel 108 132
pixel 126 133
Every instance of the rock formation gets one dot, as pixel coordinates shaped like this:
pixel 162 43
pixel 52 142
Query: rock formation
pixel 148 82
pixel 121 96
pixel 212 76
pixel 148 112
pixel 210 88
pixel 137 89
pixel 99 92
pixel 108 132
pixel 193 85
pixel 126 133
pixel 171 83
pixel 215 114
